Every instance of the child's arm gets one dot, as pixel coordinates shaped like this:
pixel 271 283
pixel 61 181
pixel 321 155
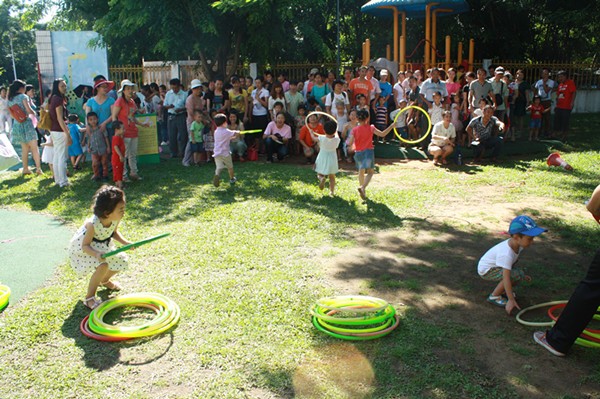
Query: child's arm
pixel 512 303
pixel 108 150
pixel 546 110
pixel 118 237
pixel 593 204
pixel 87 241
pixel 379 133
pixel 118 151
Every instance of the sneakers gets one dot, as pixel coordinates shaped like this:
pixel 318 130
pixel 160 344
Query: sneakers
pixel 540 338
pixel 497 300
pixel 164 143
pixel 216 180
pixel 232 181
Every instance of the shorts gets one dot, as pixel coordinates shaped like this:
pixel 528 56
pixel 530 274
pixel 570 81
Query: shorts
pixel 535 123
pixel 495 274
pixel 223 162
pixel 117 168
pixel 198 147
pixel 365 159
pixel 402 131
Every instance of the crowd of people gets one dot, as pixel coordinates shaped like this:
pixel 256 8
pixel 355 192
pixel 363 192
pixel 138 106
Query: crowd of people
pixel 480 110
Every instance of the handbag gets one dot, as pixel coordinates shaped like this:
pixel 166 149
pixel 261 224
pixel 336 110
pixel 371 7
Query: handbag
pixel 252 153
pixel 17 113
pixel 45 123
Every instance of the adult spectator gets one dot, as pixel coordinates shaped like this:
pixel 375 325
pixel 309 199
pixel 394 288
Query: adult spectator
pixel 102 105
pixel 282 78
pixel 260 112
pixel 399 90
pixel 124 111
pixel 405 84
pixel 193 102
pixel 238 98
pixel 309 83
pixel 310 147
pixel 433 85
pixel 386 88
pixel 293 98
pixel 337 95
pixel 5 119
pixel 443 136
pixel 276 136
pixel 484 130
pixel 277 95
pixel 319 90
pixel 469 78
pixel 500 90
pixel 452 83
pixel 174 103
pixel 544 88
pixel 376 92
pixel 237 145
pixel 565 100
pixel 24 132
pixel 61 137
pixel 360 85
pixel 268 82
pixel 218 99
pixel 480 89
pixel 522 99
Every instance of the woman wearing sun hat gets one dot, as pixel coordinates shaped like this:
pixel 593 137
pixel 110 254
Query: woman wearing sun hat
pixel 102 104
pixel 124 110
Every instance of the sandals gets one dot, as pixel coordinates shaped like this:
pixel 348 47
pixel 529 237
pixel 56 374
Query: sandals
pixel 321 182
pixel 497 300
pixel 362 194
pixel 94 302
pixel 112 285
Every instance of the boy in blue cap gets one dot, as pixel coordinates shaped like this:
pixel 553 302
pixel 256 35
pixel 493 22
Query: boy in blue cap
pixel 497 264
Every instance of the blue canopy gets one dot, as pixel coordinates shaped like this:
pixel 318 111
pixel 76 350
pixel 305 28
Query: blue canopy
pixel 412 8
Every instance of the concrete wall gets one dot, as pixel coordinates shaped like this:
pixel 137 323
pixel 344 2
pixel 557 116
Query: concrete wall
pixel 587 101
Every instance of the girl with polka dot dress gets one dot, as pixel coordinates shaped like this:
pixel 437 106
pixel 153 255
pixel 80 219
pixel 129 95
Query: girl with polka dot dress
pixel 93 240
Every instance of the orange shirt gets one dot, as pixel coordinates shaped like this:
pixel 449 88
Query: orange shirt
pixel 358 86
pixel 307 137
pixel 363 137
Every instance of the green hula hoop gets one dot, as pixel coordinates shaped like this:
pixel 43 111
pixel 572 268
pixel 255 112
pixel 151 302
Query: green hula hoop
pixel 4 296
pixel 422 137
pixel 167 315
pixel 333 302
pixel 356 337
pixel 535 323
pixel 135 245
pixel 378 317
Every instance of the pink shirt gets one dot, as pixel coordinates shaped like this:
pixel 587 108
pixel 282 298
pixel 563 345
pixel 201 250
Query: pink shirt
pixel 222 138
pixel 285 131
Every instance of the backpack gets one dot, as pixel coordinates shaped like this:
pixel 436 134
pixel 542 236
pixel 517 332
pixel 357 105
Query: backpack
pixel 17 113
pixel 499 99
pixel 333 97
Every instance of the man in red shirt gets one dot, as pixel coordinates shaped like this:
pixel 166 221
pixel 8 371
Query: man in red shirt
pixel 360 85
pixel 565 100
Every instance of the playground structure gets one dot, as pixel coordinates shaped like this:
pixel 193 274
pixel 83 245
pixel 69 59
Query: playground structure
pixel 411 9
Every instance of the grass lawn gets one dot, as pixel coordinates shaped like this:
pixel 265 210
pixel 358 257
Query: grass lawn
pixel 245 264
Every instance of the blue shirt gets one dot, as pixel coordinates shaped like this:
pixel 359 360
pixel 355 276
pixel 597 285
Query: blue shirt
pixel 386 89
pixel 429 87
pixel 103 110
pixel 176 99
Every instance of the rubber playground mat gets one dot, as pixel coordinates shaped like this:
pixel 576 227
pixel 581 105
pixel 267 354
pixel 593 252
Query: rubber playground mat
pixel 31 246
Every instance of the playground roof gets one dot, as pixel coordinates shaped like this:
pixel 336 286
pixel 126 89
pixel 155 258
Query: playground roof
pixel 412 8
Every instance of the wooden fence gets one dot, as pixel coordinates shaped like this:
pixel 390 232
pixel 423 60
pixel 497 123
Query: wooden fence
pixel 586 76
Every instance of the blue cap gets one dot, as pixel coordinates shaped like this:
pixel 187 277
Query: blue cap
pixel 526 226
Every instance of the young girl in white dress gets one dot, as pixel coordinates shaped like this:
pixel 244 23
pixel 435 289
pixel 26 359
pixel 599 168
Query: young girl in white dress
pixel 48 152
pixel 326 163
pixel 93 240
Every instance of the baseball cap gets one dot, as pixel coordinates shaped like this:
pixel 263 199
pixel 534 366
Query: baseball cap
pixel 314 70
pixel 196 83
pixel 525 225
pixel 384 72
pixel 499 70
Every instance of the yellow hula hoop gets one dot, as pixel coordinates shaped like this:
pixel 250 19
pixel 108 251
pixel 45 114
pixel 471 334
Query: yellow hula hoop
pixel 428 121
pixel 319 113
pixel 4 296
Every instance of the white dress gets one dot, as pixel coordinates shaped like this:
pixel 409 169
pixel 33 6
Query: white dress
pixel 48 151
pixel 83 263
pixel 327 162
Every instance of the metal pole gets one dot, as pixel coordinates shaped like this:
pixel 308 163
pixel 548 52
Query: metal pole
pixel 12 54
pixel 338 37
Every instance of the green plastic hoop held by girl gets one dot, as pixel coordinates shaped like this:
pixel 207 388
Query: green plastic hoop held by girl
pixel 166 311
pixel 250 131
pixel 135 245
pixel 428 121
pixel 354 318
pixel 4 296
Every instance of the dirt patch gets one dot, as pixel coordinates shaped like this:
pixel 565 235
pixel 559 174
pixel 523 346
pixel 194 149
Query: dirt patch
pixel 430 266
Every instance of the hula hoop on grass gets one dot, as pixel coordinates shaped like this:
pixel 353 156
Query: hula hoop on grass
pixel 535 323
pixel 318 113
pixel 378 317
pixel 333 302
pixel 135 245
pixel 85 327
pixel 4 296
pixel 422 137
pixel 357 336
pixel 594 334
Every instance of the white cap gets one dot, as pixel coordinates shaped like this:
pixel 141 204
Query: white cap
pixel 126 82
pixel 314 70
pixel 383 72
pixel 196 83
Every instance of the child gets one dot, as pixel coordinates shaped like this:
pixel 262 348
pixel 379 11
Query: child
pixel 381 114
pixel 362 138
pixel 197 129
pixel 362 102
pixel 222 155
pixel 209 138
pixel 347 133
pixel 99 147
pixel 537 109
pixel 327 162
pixel 92 240
pixel 75 150
pixel 48 152
pixel 340 113
pixel 118 153
pixel 456 119
pixel 436 108
pixel 401 121
pixel 497 264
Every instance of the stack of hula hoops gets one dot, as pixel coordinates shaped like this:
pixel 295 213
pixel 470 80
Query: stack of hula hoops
pixel 166 316
pixel 4 296
pixel 589 338
pixel 354 318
